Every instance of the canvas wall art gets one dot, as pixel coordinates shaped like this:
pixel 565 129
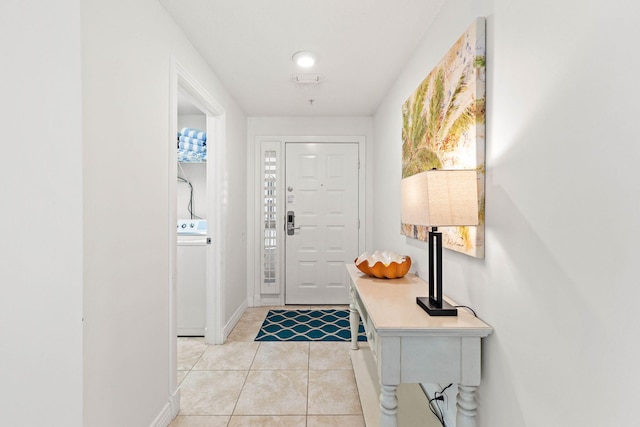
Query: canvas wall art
pixel 444 128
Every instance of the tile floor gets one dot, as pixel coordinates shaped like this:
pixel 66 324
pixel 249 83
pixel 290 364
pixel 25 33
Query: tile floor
pixel 266 384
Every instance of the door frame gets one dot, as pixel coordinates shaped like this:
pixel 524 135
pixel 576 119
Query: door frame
pixel 362 203
pixel 181 79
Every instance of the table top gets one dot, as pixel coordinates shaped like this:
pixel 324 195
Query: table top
pixel 391 306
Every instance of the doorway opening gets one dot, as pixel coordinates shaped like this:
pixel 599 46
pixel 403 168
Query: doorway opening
pixel 195 196
pixel 192 225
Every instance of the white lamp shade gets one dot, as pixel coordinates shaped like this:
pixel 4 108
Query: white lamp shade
pixel 440 198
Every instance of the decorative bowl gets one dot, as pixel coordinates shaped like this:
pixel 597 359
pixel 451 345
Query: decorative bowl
pixel 383 265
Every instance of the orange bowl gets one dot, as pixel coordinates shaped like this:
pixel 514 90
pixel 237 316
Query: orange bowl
pixel 392 270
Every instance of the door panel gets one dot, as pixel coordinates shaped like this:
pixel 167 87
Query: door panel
pixel 322 191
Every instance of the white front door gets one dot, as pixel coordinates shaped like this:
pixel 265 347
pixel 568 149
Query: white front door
pixel 322 195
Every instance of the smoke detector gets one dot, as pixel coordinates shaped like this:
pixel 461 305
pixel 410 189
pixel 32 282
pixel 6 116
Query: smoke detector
pixel 306 79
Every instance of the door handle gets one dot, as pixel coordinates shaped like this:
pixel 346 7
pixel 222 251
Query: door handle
pixel 291 223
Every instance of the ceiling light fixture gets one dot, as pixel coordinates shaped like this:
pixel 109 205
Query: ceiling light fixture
pixel 304 59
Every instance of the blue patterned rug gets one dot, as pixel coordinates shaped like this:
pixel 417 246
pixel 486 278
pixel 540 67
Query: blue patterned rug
pixel 307 325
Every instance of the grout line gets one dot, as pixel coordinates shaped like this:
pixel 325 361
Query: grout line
pixel 306 415
pixel 206 347
pixel 308 383
pixel 254 356
pixel 238 398
pixel 244 383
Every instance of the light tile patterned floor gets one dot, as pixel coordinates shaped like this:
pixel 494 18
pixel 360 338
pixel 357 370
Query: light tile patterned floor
pixel 267 384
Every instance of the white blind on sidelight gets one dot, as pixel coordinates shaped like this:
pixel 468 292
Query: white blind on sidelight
pixel 270 230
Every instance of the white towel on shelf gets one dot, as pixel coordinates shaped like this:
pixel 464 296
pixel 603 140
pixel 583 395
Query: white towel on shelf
pixel 191 156
pixel 194 133
pixel 192 147
pixel 191 140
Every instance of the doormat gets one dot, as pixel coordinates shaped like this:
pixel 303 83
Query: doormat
pixel 308 325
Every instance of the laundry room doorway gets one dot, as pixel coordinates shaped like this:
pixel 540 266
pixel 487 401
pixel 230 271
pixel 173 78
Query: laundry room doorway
pixel 192 224
pixel 195 198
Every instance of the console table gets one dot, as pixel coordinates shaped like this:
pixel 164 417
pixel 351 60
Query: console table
pixel 409 346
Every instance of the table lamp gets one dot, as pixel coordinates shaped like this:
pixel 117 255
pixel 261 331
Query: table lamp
pixel 439 198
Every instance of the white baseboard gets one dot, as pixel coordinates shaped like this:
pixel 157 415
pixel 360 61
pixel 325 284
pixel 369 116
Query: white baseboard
pixel 168 412
pixel 164 417
pixel 256 301
pixel 234 319
pixel 174 402
pixel 267 301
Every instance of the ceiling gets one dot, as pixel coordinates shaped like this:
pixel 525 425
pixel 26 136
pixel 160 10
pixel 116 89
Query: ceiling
pixel 361 46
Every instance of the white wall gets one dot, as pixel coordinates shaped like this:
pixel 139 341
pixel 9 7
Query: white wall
pixel 127 48
pixel 559 280
pixel 194 121
pixel 196 173
pixel 296 126
pixel 41 215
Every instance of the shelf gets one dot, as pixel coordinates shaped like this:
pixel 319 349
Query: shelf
pixel 413 405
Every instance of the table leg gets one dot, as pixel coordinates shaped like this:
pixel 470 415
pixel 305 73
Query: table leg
pixel 354 322
pixel 388 406
pixel 466 405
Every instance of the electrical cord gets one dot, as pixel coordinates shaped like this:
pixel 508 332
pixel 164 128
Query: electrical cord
pixel 190 204
pixel 434 404
pixel 186 180
pixel 437 412
pixel 467 307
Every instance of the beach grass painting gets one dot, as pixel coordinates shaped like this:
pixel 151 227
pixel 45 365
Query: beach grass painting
pixel 443 127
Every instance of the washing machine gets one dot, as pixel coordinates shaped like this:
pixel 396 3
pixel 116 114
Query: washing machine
pixel 192 277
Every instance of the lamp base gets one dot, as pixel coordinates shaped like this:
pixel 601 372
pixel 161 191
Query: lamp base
pixel 431 307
